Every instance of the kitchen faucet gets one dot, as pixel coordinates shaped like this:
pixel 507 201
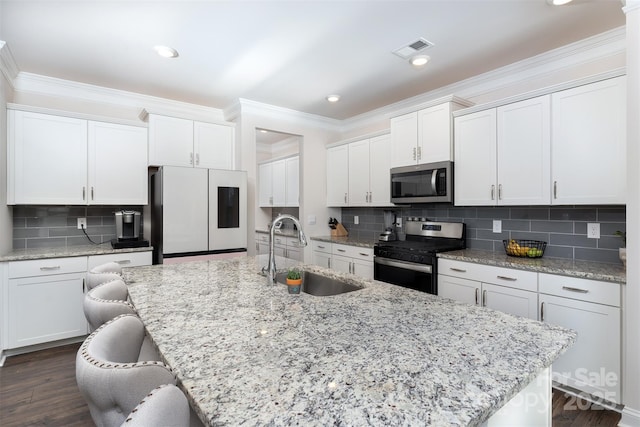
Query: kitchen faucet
pixel 271 267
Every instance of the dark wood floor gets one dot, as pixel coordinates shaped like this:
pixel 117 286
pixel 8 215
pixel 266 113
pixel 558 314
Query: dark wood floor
pixel 39 389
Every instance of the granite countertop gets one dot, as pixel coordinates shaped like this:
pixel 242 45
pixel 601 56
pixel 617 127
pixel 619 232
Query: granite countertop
pixel 247 352
pixel 352 241
pixel 582 269
pixel 283 232
pixel 63 252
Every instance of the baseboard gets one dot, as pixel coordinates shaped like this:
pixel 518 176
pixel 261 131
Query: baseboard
pixel 630 418
pixel 588 397
pixel 38 347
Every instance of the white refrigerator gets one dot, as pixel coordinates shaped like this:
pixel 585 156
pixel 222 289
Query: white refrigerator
pixel 197 212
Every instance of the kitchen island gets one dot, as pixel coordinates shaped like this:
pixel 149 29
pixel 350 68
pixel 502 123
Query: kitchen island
pixel 247 352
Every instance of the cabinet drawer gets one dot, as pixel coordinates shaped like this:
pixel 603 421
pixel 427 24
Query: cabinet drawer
pixel 356 252
pixel 322 246
pixel 293 242
pixel 262 237
pixel 45 267
pixel 280 241
pixel 580 289
pixel 125 259
pixel 526 280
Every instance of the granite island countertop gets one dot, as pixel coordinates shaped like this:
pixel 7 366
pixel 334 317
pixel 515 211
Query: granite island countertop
pixel 565 267
pixel 247 352
pixel 64 252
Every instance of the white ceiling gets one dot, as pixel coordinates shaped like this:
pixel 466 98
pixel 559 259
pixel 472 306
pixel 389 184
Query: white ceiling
pixel 288 53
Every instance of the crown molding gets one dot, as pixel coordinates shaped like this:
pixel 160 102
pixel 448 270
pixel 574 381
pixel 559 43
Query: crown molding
pixel 602 45
pixel 243 106
pixel 8 65
pixel 44 85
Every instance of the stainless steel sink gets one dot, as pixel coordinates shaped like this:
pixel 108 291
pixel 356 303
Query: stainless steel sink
pixel 318 285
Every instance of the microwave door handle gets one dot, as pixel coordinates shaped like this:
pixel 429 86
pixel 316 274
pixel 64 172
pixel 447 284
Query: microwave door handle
pixel 434 176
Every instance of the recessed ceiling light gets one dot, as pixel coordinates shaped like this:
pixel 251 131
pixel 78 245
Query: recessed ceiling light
pixel 166 52
pixel 558 2
pixel 419 60
pixel 333 98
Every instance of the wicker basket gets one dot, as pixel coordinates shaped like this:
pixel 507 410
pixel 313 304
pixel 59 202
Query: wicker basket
pixel 524 248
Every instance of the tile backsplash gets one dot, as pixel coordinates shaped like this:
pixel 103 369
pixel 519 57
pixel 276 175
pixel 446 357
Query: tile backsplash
pixel 56 226
pixel 564 228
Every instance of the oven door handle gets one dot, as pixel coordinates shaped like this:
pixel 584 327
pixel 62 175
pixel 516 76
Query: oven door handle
pixel 422 268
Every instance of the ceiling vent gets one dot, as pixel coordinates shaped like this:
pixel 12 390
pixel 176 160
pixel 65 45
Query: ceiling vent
pixel 408 51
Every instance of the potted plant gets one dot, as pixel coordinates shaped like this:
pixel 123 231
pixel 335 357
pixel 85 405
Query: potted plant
pixel 294 280
pixel 622 252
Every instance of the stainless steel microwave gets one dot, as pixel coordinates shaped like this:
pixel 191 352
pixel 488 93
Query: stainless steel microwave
pixel 425 183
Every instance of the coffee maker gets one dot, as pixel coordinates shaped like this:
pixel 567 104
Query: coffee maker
pixel 128 230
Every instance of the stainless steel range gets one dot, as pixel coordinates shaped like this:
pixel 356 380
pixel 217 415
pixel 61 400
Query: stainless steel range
pixel 412 263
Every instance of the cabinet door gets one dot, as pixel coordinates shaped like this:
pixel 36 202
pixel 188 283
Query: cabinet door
pixel 475 165
pixel 185 213
pixel 362 269
pixel 593 363
pixel 338 176
pixel 434 134
pixel 279 183
pixel 359 173
pixel 262 248
pixel 170 141
pixel 265 175
pixel 379 165
pixel 213 146
pixel 45 308
pixel 404 140
pixel 341 263
pixel 117 164
pixel 510 300
pixel 524 150
pixel 463 290
pixel 322 259
pixel 588 148
pixel 292 197
pixel 47 159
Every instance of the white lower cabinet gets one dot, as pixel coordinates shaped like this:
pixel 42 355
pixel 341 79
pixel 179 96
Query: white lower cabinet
pixel 44 301
pixel 344 258
pixel 506 290
pixel 283 246
pixel 593 364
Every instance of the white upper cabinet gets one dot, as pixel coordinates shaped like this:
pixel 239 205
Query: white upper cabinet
pixel 56 160
pixel 338 176
pixel 117 164
pixel 47 160
pixel 523 149
pixel 424 136
pixel 588 149
pixel 279 183
pixel 404 138
pixel 475 165
pixel 213 146
pixel 292 198
pixel 180 142
pixel 379 165
pixel 358 173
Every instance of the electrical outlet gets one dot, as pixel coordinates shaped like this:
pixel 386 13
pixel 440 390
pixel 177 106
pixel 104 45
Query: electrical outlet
pixel 82 223
pixel 593 230
pixel 356 219
pixel 497 226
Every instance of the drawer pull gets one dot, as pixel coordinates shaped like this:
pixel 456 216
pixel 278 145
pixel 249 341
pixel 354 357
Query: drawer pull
pixel 511 279
pixel 54 267
pixel 364 254
pixel 321 247
pixel 484 298
pixel 569 288
pixel 341 250
pixel 542 311
pixel 459 270
pixel 477 292
pixel 124 261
